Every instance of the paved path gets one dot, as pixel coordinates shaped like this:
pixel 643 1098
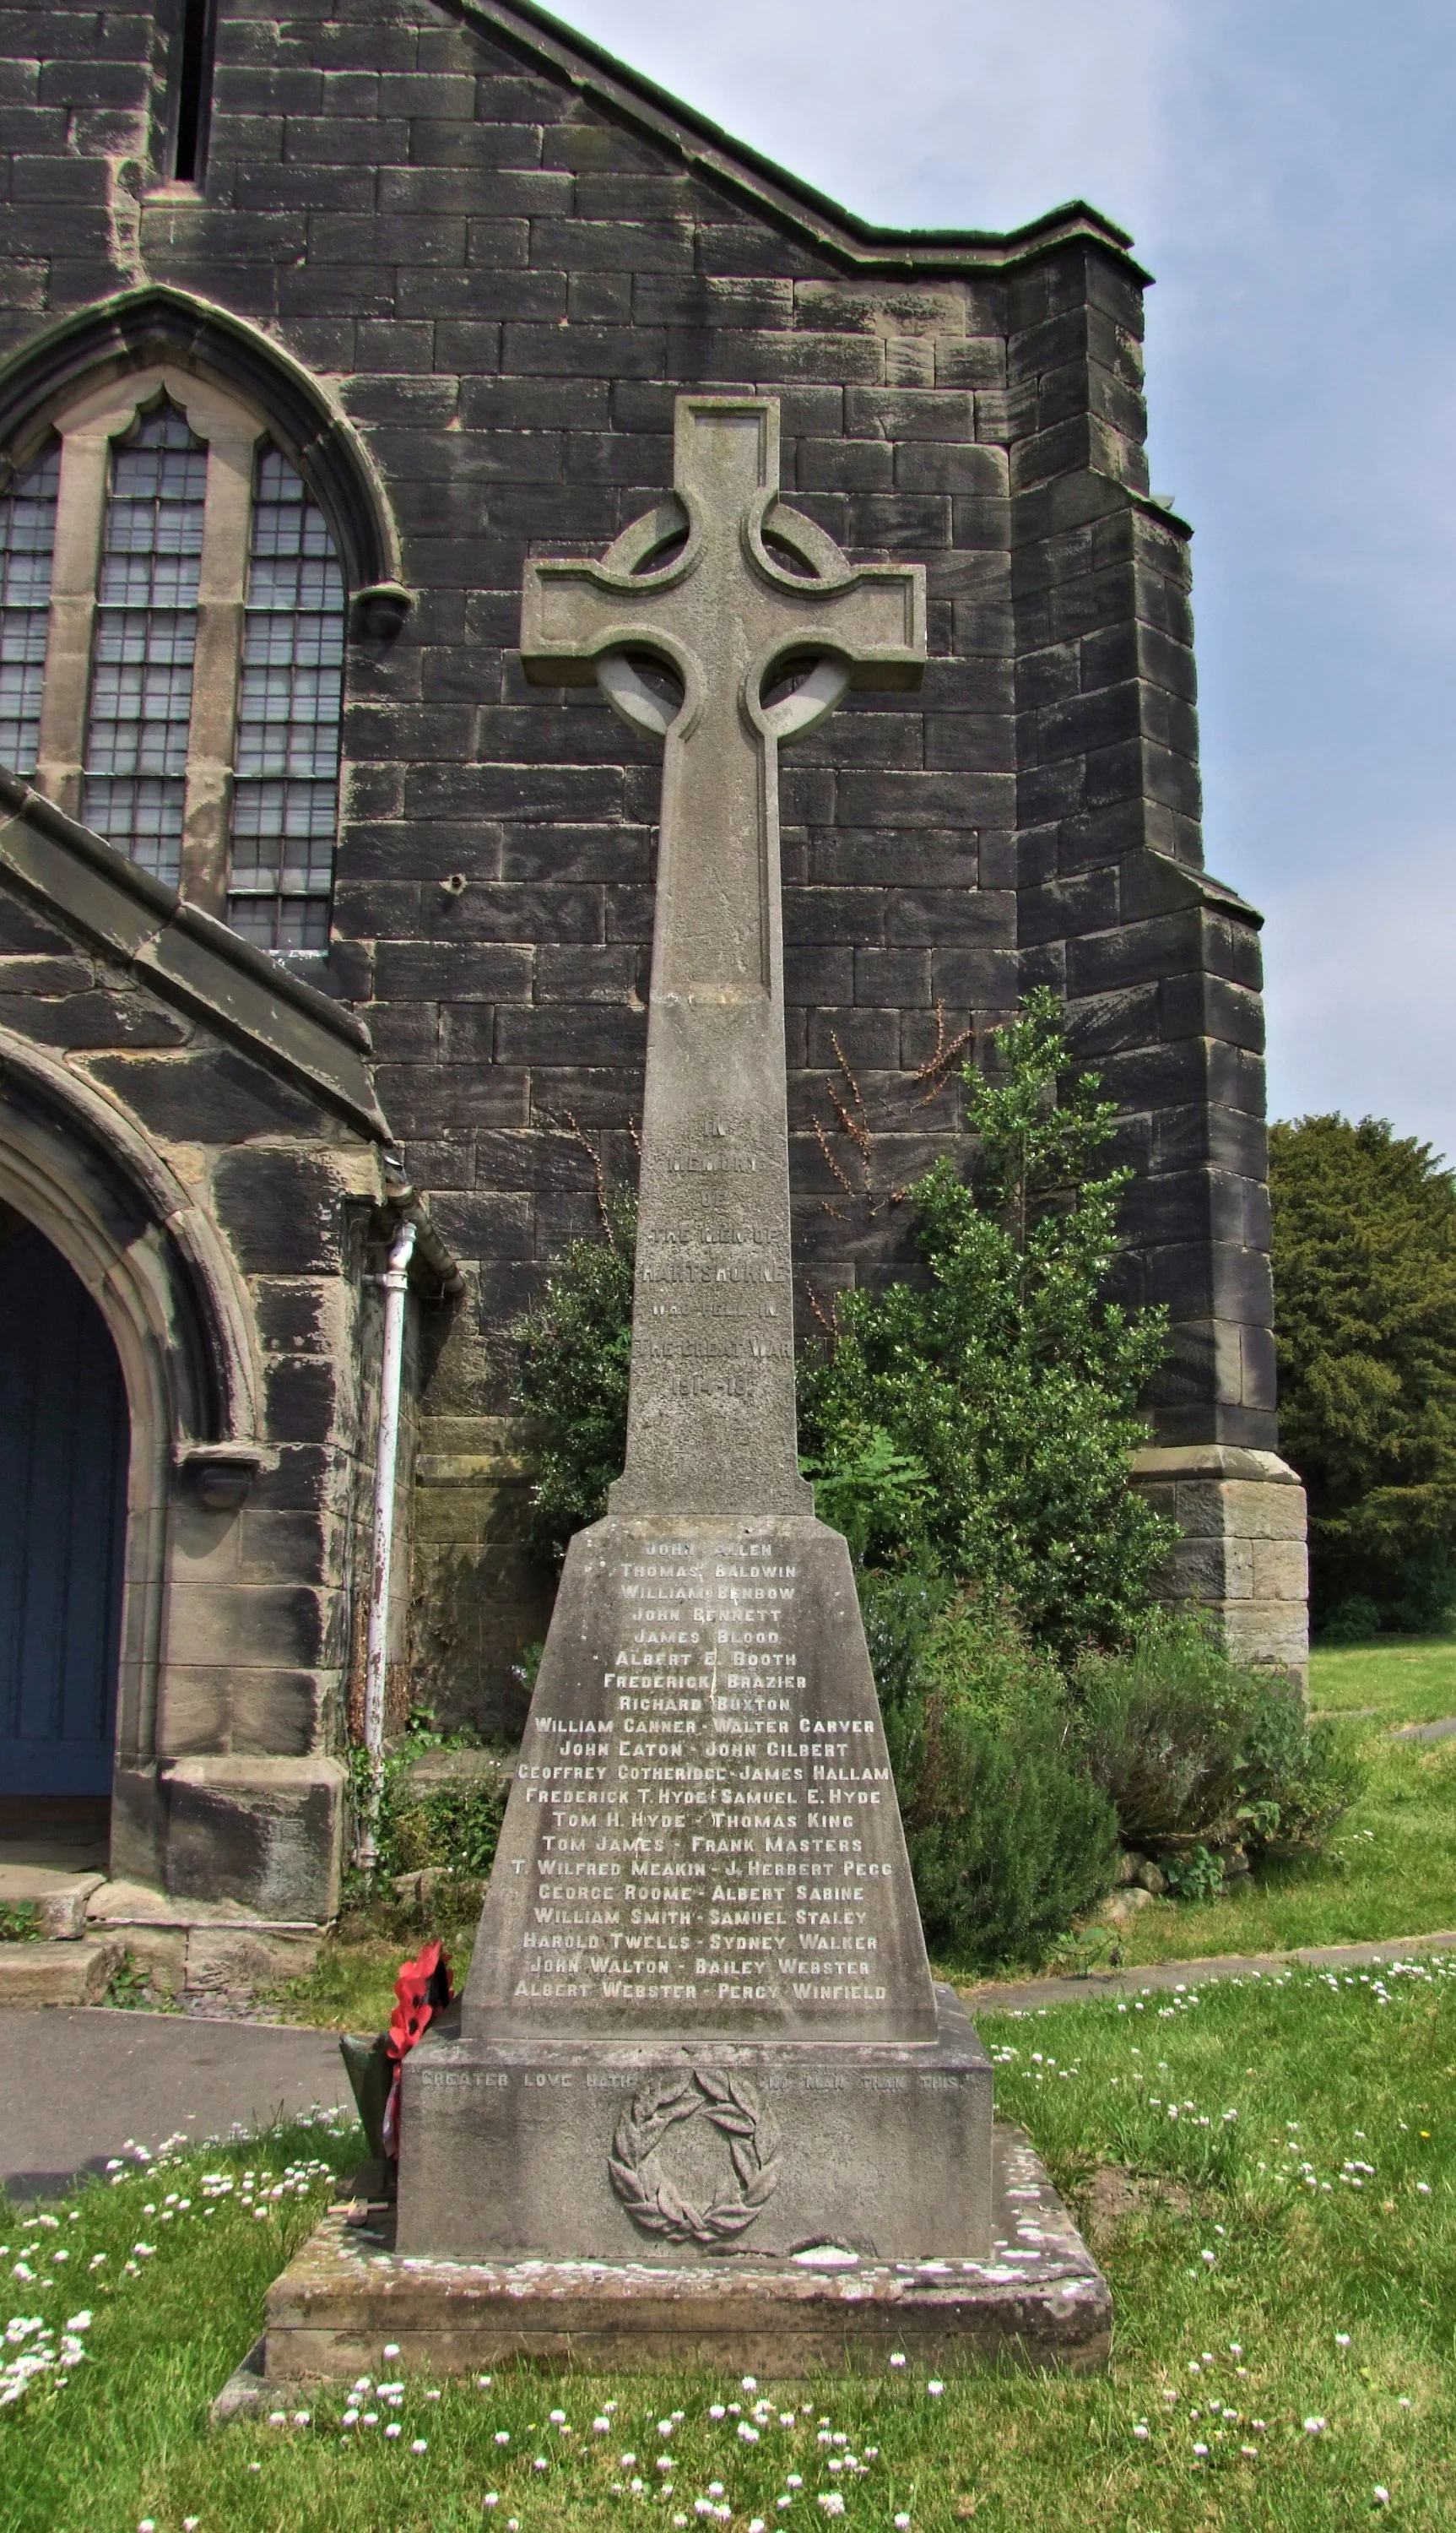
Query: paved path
pixel 1441 1731
pixel 76 2082
pixel 1025 1996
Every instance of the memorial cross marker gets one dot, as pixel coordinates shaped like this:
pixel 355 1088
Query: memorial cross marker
pixel 699 2013
pixel 712 1425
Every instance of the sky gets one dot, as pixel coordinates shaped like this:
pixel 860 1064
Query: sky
pixel 1288 171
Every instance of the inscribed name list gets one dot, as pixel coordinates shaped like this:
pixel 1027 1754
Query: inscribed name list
pixel 703 1833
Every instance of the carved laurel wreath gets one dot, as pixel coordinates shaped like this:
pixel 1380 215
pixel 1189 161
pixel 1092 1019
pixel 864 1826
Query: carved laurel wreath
pixel 637 2176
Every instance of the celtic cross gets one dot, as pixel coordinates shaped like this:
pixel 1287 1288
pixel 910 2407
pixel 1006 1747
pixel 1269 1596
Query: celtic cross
pixel 760 625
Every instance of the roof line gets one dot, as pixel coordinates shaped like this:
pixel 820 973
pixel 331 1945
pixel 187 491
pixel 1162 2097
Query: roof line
pixel 774 190
pixel 188 957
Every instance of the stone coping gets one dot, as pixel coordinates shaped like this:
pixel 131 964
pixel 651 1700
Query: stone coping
pixel 774 192
pixel 190 958
pixel 1038 2296
pixel 1188 1461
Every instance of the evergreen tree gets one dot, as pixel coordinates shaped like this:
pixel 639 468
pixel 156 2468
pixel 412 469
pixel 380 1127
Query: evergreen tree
pixel 987 1414
pixel 1365 1296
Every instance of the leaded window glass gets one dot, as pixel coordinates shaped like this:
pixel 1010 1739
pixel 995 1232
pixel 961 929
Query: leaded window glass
pixel 285 797
pixel 172 634
pixel 144 642
pixel 27 538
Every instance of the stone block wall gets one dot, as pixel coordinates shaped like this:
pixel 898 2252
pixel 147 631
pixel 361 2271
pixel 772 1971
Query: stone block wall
pixel 477 1598
pixel 225 1219
pixel 503 258
pixel 1242 1555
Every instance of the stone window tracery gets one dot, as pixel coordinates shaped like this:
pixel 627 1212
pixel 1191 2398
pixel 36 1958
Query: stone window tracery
pixel 172 621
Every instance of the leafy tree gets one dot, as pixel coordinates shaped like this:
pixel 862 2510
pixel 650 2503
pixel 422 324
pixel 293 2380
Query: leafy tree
pixel 978 1423
pixel 575 1363
pixel 1364 1305
pixel 1001 1393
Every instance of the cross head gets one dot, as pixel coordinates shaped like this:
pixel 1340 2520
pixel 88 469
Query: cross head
pixel 725 624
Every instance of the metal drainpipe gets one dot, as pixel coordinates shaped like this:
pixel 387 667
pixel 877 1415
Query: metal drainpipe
pixel 395 1280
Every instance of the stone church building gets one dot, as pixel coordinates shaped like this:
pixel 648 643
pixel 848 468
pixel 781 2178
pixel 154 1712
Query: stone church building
pixel 318 922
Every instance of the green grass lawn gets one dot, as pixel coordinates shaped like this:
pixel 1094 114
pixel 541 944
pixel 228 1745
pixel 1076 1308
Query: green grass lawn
pixel 1407 1680
pixel 352 1987
pixel 1295 2264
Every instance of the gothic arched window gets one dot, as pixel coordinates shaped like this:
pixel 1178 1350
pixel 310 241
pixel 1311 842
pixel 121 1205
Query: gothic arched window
pixel 144 642
pixel 171 648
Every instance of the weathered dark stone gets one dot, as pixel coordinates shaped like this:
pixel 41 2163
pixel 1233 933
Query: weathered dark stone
pixel 262 1831
pixel 503 273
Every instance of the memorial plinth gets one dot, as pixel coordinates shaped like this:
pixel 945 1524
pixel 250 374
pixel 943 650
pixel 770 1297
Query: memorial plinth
pixel 1038 2296
pixel 700 2028
pixel 700 2015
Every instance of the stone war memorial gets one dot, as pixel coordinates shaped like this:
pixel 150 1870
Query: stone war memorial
pixel 703 1838
pixel 702 2098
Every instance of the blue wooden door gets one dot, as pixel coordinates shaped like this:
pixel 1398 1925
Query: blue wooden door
pixel 63 1493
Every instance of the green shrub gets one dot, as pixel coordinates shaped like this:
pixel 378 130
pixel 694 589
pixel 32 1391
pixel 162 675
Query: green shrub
pixel 982 1419
pixel 1191 1747
pixel 900 1605
pixel 1160 1727
pixel 452 1826
pixel 575 1354
pixel 1298 1778
pixel 872 1491
pixel 1195 1875
pixel 1351 1621
pixel 1008 1839
pixel 1008 1835
pixel 456 1826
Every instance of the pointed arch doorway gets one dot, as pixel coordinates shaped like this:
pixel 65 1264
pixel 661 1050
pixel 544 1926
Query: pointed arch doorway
pixel 64 1452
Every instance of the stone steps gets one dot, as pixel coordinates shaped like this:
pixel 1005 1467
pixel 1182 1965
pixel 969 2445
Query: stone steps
pixel 201 1946
pixel 61 1898
pixel 180 1945
pixel 74 1972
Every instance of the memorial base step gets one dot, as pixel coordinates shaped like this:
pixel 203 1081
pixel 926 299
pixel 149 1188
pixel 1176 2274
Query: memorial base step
pixel 1038 2297
pixel 673 2153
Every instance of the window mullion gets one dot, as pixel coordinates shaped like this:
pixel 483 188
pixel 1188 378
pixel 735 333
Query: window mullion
pixel 222 582
pixel 80 512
